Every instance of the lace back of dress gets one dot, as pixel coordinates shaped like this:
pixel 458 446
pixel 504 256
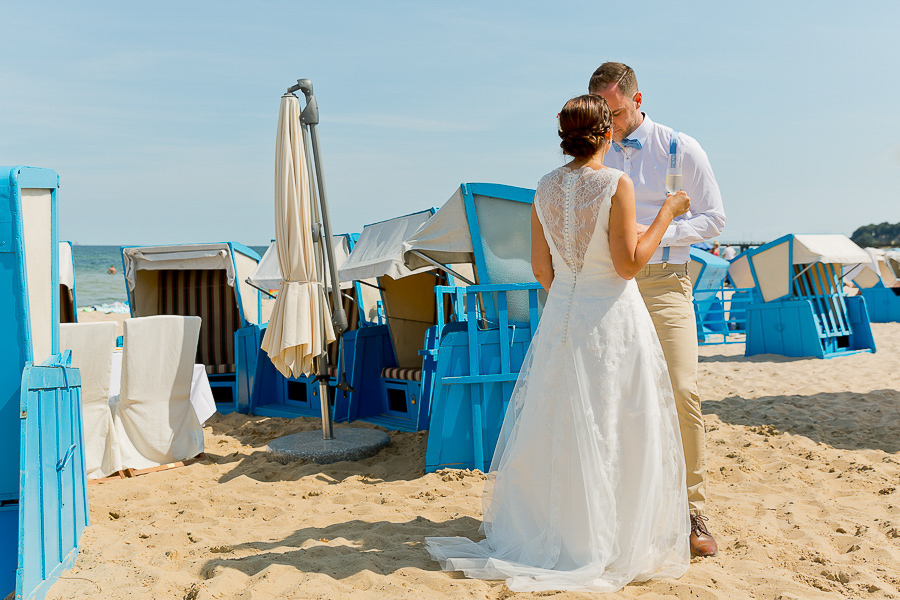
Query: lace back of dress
pixel 571 206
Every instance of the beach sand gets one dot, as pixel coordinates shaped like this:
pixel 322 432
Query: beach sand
pixel 804 499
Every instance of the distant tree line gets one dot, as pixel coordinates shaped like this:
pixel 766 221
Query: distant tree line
pixel 879 236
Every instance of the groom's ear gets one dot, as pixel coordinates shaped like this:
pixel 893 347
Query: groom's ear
pixel 637 99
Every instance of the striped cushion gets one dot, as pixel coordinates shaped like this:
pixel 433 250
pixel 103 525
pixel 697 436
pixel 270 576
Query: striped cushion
pixel 402 374
pixel 204 294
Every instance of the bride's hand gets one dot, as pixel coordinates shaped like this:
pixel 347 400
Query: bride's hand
pixel 678 203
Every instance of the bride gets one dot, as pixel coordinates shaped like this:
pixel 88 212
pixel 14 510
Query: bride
pixel 586 488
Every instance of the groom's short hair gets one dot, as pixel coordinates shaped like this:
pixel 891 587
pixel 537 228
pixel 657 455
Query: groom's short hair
pixel 614 72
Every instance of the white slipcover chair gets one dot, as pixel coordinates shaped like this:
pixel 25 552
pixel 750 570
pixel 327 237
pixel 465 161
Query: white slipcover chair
pixel 155 422
pixel 92 346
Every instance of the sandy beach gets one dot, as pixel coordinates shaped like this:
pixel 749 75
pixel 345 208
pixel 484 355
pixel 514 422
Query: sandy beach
pixel 804 484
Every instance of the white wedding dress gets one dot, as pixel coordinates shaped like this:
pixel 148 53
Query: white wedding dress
pixel 587 484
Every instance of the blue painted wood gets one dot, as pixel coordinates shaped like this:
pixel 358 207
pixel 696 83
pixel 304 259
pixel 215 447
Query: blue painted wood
pixel 477 366
pixel 43 493
pixel 883 303
pixel 53 489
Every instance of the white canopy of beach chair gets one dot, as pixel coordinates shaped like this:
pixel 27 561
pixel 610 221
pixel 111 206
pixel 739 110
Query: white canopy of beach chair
pixel 444 238
pixel 772 265
pixel 180 257
pixel 827 248
pixel 294 335
pixel 267 275
pixel 379 250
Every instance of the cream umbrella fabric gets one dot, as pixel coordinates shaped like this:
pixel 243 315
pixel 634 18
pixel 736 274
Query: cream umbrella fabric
pixel 294 335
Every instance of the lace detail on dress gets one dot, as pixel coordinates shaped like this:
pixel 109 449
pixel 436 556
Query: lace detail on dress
pixel 570 202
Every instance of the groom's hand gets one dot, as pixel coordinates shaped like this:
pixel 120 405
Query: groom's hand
pixel 641 230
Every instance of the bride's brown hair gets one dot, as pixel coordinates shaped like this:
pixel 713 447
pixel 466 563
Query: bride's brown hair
pixel 583 123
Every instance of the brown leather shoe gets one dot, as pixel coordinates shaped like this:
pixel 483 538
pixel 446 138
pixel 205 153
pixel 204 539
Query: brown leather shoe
pixel 702 542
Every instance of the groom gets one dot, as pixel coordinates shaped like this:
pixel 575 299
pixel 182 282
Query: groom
pixel 641 149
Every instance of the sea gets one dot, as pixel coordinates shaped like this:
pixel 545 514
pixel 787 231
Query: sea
pixel 94 285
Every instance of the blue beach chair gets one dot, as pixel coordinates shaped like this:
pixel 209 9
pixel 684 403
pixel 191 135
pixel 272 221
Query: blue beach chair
pixel 206 281
pixel 390 365
pixel 879 283
pixel 43 494
pixel 799 306
pixel 478 355
pixel 277 396
pixel 707 272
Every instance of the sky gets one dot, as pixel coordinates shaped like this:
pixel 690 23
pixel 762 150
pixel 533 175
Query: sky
pixel 160 117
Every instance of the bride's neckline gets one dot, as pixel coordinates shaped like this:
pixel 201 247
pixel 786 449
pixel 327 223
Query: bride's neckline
pixel 570 168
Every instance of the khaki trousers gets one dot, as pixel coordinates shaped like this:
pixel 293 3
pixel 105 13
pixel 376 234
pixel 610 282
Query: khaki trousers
pixel 667 293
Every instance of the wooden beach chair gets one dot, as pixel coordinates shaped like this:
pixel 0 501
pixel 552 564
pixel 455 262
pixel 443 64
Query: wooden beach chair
pixel 206 281
pixel 477 358
pixel 879 283
pixel 799 307
pixel 43 494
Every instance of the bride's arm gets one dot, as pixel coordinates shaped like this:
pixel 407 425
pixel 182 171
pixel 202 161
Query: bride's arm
pixel 630 254
pixel 541 263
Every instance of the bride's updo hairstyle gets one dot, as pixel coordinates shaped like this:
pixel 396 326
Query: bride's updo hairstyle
pixel 583 122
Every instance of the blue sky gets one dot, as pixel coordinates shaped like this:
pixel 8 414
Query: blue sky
pixel 160 117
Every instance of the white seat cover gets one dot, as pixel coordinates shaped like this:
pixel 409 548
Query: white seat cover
pixel 92 346
pixel 154 420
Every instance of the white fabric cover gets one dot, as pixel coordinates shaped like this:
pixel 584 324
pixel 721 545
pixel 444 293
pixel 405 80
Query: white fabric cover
pixel 827 248
pixel 66 265
pixel 379 250
pixel 294 335
pixel 177 257
pixel 38 241
pixel 154 420
pixel 92 346
pixel 444 238
pixel 267 274
pixel 586 488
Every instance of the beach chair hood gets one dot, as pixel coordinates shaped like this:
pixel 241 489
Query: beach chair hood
pixel 379 250
pixel 444 238
pixel 769 267
pixel 180 257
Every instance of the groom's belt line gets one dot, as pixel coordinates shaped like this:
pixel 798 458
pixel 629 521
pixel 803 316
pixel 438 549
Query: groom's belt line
pixel 660 268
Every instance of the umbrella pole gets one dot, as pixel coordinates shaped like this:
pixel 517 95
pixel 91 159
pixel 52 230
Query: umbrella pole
pixel 310 118
pixel 321 361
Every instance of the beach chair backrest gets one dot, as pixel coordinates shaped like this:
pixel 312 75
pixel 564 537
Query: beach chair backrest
pixel 499 218
pixel 707 271
pixel 410 309
pixel 204 294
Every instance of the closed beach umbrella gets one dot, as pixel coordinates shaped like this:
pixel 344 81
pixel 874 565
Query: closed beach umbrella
pixel 294 336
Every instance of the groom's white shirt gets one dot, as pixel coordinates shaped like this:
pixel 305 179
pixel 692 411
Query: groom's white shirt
pixel 647 168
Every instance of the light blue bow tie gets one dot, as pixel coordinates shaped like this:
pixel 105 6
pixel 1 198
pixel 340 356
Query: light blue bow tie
pixel 627 142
